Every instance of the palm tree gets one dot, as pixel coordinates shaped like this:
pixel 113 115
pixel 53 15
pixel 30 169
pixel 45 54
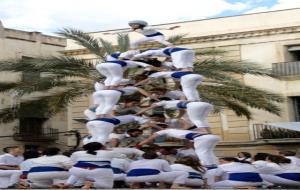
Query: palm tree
pixel 58 82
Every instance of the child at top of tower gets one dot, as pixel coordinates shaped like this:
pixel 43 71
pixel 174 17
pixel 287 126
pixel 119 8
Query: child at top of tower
pixel 150 33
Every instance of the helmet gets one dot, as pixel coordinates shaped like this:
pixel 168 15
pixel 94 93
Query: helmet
pixel 140 22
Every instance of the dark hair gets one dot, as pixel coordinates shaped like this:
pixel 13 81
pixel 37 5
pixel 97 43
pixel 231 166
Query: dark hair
pixel 278 159
pixel 287 153
pixel 230 159
pixel 260 156
pixel 52 151
pixel 150 155
pixel 246 154
pixel 164 98
pixel 31 154
pixel 7 149
pixel 92 147
pixel 190 161
pixel 134 130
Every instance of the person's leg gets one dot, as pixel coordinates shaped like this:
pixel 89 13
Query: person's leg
pixel 204 148
pixel 9 177
pixel 103 178
pixel 183 59
pixel 111 98
pixel 198 113
pixel 276 180
pixel 116 72
pixel 161 39
pixel 102 68
pixel 135 44
pixel 189 85
pixel 176 178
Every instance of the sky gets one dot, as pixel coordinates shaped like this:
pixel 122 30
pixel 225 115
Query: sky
pixel 48 16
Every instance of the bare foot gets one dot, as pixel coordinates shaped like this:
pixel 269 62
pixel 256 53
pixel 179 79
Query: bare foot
pixel 87 185
pixel 58 186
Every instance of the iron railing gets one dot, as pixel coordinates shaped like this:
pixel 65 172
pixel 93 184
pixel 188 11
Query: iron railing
pixel 265 131
pixel 286 68
pixel 36 135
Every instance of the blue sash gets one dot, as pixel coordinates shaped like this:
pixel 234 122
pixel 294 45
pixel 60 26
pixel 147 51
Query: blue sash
pixel 169 51
pixel 122 92
pixel 192 136
pixel 194 175
pixel 46 169
pixel 109 120
pixel 182 105
pixel 142 172
pixel 118 171
pixel 178 75
pixel 155 34
pixel 93 164
pixel 122 63
pixel 245 177
pixel 211 167
pixel 115 55
pixel 290 176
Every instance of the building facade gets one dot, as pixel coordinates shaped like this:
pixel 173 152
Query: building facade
pixel 270 39
pixel 29 131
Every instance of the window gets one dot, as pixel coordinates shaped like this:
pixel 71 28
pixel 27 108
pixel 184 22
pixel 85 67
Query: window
pixel 294 52
pixel 296 107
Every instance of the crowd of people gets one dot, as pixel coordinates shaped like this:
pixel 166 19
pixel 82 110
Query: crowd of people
pixel 106 162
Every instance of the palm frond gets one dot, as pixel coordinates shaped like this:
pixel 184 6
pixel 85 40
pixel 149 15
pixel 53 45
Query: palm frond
pixel 107 46
pixel 176 38
pixel 123 42
pixel 83 39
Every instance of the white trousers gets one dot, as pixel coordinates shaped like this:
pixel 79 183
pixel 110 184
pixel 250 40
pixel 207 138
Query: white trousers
pixel 232 184
pixel 46 179
pixel 204 148
pixel 107 99
pixel 90 114
pixel 9 177
pixel 198 112
pixel 160 38
pixel 276 180
pixel 112 71
pixel 183 59
pixel 102 177
pixel 189 85
pixel 173 177
pixel 100 130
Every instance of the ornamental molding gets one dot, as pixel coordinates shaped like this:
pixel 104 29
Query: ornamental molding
pixel 210 38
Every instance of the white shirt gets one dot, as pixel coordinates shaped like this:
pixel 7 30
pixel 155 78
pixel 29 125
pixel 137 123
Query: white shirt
pixel 129 90
pixel 152 52
pixel 102 155
pixel 182 167
pixel 129 152
pixel 168 104
pixel 295 161
pixel 157 164
pixel 118 136
pixel 259 164
pixel 10 160
pixel 124 119
pixel 176 133
pixel 129 54
pixel 162 74
pixel 122 164
pixel 234 167
pixel 186 152
pixel 26 165
pixel 131 64
pixel 60 161
pixel 99 86
pixel 174 94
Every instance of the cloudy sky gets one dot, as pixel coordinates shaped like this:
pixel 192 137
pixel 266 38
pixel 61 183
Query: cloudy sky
pixel 48 16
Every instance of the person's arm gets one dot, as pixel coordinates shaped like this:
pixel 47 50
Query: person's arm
pixel 149 139
pixel 162 28
pixel 139 63
pixel 9 167
pixel 146 109
pixel 143 81
pixel 147 94
pixel 184 124
pixel 152 125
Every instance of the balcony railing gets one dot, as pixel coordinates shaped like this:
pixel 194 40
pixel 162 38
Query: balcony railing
pixel 286 69
pixel 264 131
pixel 36 135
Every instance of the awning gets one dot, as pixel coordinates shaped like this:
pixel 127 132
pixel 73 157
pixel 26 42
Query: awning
pixel 294 126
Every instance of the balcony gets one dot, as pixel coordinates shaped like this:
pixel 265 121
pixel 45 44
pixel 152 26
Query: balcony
pixel 267 132
pixel 286 69
pixel 36 134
